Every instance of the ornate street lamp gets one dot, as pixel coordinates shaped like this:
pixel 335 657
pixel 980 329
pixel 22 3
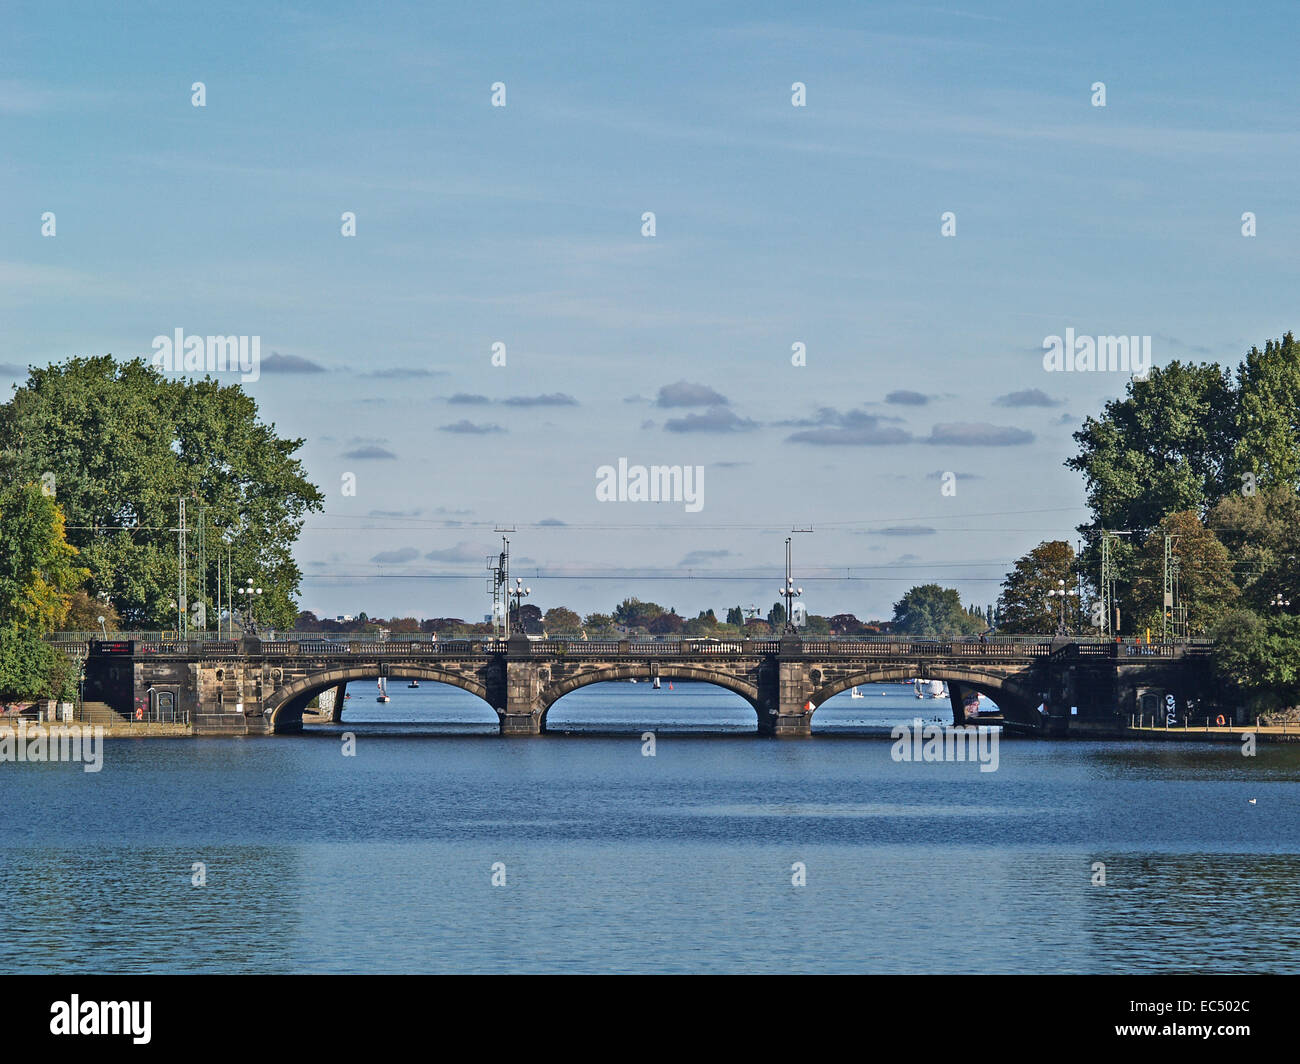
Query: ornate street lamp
pixel 247 596
pixel 789 592
pixel 1060 592
pixel 517 593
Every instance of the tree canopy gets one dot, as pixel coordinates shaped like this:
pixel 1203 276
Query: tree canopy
pixel 1166 447
pixel 38 567
pixel 931 610
pixel 1200 565
pixel 1025 607
pixel 119 443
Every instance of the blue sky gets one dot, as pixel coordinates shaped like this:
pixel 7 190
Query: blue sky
pixel 774 225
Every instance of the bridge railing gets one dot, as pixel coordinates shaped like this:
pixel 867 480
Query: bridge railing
pixel 856 649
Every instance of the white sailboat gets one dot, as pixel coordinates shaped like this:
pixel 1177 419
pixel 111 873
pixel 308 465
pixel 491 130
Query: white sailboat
pixel 855 693
pixel 383 691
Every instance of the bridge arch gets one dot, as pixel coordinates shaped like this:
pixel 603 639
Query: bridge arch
pixel 557 689
pixel 284 708
pixel 1008 692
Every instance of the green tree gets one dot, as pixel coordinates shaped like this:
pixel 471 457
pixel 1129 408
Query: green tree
pixel 1024 607
pixel 124 443
pixel 776 616
pixel 818 627
pixel 560 619
pixel 38 570
pixel 666 624
pixel 31 669
pixel 1268 415
pixel 1167 447
pixel 1203 571
pixel 633 613
pixel 931 610
pixel 735 616
pixel 1256 660
pixel 1261 532
pixel 599 622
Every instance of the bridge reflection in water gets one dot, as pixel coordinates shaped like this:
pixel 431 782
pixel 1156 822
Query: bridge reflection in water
pixel 1043 688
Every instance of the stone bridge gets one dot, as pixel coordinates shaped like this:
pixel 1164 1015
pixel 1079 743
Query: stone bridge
pixel 251 687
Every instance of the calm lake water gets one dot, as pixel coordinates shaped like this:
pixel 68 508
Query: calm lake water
pixel 618 862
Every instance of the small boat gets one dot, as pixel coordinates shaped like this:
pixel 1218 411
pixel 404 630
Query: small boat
pixel 383 691
pixel 632 680
pixel 655 685
pixel 414 684
pixel 855 693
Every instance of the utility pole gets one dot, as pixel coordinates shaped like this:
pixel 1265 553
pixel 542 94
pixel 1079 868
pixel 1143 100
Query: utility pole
pixel 182 576
pixel 498 586
pixel 788 591
pixel 203 563
pixel 1169 614
pixel 1110 620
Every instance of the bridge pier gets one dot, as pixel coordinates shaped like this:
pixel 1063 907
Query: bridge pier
pixel 521 724
pixel 785 725
pixel 785 691
pixel 956 698
pixel 523 682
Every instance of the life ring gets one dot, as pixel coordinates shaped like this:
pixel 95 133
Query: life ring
pixel 139 712
pixel 1219 720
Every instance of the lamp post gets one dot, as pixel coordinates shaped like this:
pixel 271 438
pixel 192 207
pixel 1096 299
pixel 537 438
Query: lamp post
pixel 517 593
pixel 1278 602
pixel 1060 592
pixel 102 630
pixel 789 592
pixel 247 596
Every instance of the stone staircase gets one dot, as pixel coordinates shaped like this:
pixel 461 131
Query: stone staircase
pixel 100 713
